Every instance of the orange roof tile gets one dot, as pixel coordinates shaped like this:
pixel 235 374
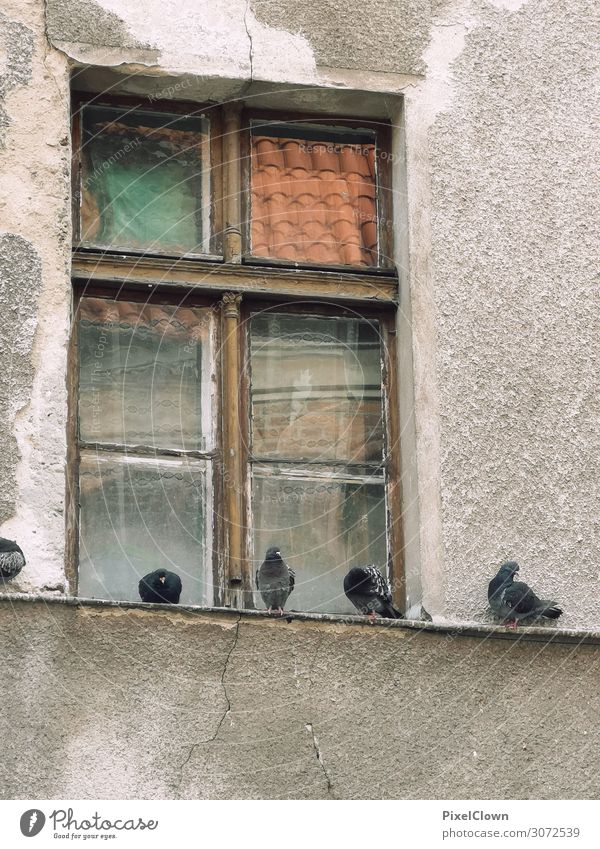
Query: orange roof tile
pixel 314 201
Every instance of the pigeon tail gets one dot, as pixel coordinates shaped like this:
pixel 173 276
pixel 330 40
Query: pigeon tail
pixel 550 610
pixel 392 612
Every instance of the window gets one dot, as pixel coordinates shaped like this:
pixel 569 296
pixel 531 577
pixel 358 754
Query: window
pixel 234 356
pixel 314 195
pixel 146 440
pixel 140 171
pixel 144 180
pixel 318 486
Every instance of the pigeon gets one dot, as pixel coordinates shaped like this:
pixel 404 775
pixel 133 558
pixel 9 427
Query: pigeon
pixel 513 600
pixel 160 587
pixel 275 580
pixel 12 559
pixel 370 593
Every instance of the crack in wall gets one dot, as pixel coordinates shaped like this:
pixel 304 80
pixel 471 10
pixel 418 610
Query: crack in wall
pixel 225 693
pixel 251 45
pixel 184 764
pixel 227 708
pixel 315 742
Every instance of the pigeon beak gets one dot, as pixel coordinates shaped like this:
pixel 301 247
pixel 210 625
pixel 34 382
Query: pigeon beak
pixel 162 580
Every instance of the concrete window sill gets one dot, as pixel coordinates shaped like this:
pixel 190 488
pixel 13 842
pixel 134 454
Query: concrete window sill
pixel 530 633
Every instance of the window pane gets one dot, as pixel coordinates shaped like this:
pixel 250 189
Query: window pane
pixel 144 181
pixel 323 528
pixel 314 197
pixel 145 374
pixel 141 515
pixel 316 388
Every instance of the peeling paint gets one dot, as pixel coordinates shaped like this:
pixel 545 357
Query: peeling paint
pixel 509 5
pixel 446 44
pixel 20 284
pixel 219 39
pixel 16 49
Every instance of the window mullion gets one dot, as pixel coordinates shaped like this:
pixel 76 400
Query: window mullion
pixel 237 571
pixel 393 465
pixel 232 243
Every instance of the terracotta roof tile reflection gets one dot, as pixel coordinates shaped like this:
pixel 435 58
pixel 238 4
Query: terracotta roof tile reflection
pixel 314 201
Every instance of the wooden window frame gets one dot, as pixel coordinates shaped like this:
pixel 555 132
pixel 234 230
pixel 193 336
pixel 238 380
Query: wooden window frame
pixel 238 284
pixel 82 290
pixel 183 109
pixel 391 458
pixel 382 133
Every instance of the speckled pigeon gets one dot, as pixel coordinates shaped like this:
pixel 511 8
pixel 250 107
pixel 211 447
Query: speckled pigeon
pixel 370 593
pixel 513 600
pixel 275 580
pixel 12 559
pixel 160 587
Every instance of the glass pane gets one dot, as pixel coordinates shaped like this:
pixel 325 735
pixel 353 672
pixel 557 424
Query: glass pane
pixel 145 374
pixel 316 388
pixel 323 528
pixel 314 198
pixel 141 515
pixel 144 181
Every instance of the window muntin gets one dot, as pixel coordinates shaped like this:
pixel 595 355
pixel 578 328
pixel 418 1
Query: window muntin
pixel 317 458
pixel 314 195
pixel 146 391
pixel 145 182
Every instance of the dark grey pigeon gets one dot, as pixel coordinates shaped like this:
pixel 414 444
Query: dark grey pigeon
pixel 513 600
pixel 12 559
pixel 160 587
pixel 370 593
pixel 275 580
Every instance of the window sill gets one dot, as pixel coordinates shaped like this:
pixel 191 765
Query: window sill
pixel 531 633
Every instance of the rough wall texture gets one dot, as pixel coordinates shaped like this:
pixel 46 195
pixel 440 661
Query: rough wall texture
pixel 20 282
pixel 16 42
pixel 515 268
pixel 146 704
pixel 373 35
pixel 34 290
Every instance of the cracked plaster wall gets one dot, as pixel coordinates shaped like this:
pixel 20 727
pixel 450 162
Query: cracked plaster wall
pixel 150 704
pixel 34 289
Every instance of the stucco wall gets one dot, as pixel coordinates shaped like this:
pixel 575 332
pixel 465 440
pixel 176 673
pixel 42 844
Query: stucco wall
pixel 517 301
pixel 122 703
pixel 35 234
pixel 494 232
